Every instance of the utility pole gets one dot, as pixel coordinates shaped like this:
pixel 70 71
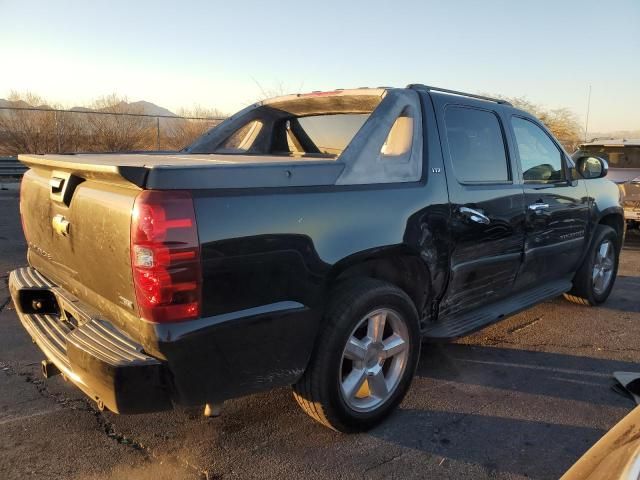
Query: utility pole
pixel 586 123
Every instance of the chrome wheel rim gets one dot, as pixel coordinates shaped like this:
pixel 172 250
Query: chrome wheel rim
pixel 374 360
pixel 603 267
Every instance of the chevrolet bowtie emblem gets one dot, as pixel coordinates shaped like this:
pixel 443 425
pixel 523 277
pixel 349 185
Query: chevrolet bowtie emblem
pixel 60 225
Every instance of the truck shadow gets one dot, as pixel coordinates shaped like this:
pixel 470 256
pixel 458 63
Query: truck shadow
pixel 568 377
pixel 624 296
pixel 494 445
pixel 505 410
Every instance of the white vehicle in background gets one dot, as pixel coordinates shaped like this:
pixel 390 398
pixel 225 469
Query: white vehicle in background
pixel 623 156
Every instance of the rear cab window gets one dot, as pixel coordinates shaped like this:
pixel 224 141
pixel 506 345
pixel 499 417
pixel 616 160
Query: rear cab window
pixel 329 134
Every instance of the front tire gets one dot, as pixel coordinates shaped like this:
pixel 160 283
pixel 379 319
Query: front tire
pixel 365 357
pixel 594 280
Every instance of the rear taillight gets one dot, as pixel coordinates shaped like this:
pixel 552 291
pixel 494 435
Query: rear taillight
pixel 165 256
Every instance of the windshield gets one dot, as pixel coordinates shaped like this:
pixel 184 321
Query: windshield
pixel 616 156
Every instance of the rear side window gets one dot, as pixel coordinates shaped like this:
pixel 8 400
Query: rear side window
pixel 476 145
pixel 540 158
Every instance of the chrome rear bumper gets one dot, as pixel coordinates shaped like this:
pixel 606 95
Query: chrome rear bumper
pixel 101 360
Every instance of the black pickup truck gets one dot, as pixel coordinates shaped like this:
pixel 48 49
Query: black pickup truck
pixel 310 240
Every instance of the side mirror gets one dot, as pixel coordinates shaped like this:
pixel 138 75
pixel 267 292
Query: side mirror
pixel 592 167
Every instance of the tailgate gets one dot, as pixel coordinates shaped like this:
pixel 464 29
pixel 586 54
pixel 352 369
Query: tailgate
pixel 77 227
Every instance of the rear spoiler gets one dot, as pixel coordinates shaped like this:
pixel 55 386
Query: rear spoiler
pixel 111 172
pixel 177 171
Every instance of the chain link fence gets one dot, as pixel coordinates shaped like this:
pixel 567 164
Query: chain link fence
pixel 46 130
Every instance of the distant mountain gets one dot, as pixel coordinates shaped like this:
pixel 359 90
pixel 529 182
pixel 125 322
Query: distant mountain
pixel 149 108
pixel 9 103
pixel 141 106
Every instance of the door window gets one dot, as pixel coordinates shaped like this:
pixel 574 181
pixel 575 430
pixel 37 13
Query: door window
pixel 540 158
pixel 476 145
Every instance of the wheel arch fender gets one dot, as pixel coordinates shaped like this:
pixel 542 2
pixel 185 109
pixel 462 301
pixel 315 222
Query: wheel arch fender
pixel 614 218
pixel 398 265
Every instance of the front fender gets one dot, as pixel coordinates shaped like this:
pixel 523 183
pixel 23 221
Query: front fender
pixel 605 208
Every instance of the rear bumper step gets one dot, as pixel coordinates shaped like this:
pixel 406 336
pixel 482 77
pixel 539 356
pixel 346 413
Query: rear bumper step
pixel 101 360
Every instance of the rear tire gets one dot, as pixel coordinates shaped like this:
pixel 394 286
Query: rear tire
pixel 364 359
pixel 594 280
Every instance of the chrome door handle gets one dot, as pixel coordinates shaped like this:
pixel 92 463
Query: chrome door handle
pixel 474 215
pixel 538 206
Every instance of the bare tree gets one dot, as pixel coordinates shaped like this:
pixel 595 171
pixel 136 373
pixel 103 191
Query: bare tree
pixel 277 89
pixel 561 121
pixel 118 132
pixel 181 132
pixel 33 131
pixel 565 127
pixel 118 127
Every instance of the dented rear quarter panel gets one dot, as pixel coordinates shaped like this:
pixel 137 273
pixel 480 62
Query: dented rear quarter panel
pixel 261 246
pixel 269 262
pixel 259 249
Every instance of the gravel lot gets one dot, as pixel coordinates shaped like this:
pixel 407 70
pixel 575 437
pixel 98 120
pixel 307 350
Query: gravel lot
pixel 521 399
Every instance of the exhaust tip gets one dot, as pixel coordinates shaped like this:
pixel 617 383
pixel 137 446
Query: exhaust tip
pixel 49 369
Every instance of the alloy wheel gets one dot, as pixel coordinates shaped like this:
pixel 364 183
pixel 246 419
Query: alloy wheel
pixel 374 360
pixel 603 267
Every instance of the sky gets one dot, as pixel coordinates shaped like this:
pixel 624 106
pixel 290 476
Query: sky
pixel 224 54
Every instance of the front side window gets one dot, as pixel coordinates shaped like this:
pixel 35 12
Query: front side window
pixel 540 158
pixel 476 145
